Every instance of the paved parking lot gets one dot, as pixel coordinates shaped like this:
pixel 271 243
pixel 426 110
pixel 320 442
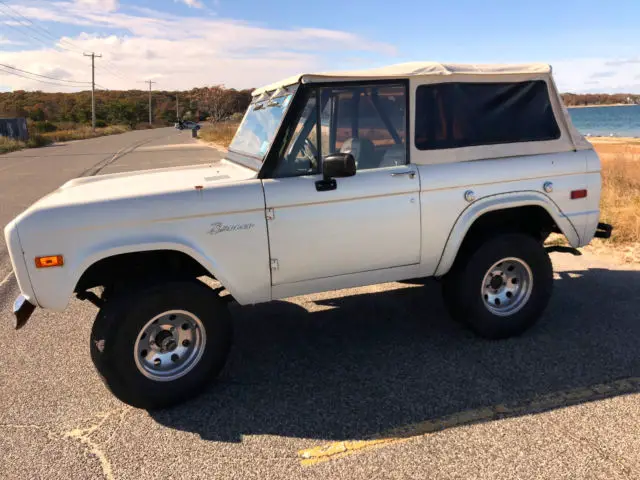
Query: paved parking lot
pixel 372 382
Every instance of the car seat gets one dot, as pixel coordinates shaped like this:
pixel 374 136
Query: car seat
pixel 395 155
pixel 362 150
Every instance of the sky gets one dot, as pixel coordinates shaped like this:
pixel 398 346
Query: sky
pixel 182 44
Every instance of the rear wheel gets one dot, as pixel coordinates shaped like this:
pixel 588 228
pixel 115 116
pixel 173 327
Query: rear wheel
pixel 160 345
pixel 500 288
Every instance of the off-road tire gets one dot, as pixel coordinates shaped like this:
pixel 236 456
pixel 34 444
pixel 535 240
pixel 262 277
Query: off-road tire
pixel 119 323
pixel 462 285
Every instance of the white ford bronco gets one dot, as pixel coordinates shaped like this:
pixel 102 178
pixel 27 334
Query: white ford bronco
pixel 339 180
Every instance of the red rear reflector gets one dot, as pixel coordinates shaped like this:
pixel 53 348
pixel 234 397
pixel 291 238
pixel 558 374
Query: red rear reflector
pixel 578 194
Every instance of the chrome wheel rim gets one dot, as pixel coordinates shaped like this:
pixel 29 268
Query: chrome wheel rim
pixel 169 345
pixel 507 286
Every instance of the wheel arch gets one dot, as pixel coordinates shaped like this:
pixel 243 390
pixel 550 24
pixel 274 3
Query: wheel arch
pixel 141 260
pixel 496 205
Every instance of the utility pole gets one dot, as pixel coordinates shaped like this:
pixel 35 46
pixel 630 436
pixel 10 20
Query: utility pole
pixel 93 87
pixel 150 117
pixel 177 107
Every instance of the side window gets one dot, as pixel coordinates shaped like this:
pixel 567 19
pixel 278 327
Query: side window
pixel 455 115
pixel 367 121
pixel 302 152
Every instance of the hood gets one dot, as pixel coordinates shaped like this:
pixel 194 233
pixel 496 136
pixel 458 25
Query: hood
pixel 132 185
pixel 135 198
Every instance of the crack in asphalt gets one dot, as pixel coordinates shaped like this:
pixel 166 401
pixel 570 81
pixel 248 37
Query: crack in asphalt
pixel 6 279
pixel 6 286
pixel 82 435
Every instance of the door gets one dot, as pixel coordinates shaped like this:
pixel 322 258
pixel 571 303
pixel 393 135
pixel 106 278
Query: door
pixel 370 221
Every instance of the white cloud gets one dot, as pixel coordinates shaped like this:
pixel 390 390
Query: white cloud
pixel 182 52
pixel 191 3
pixel 102 5
pixel 598 75
pixel 6 41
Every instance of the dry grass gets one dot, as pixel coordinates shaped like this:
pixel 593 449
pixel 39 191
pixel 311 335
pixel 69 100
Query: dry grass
pixel 42 139
pixel 220 134
pixel 10 145
pixel 620 201
pixel 81 133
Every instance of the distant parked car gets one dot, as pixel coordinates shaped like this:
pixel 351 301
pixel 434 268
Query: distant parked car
pixel 190 125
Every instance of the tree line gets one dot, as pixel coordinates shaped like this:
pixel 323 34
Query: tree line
pixel 131 107
pixel 582 99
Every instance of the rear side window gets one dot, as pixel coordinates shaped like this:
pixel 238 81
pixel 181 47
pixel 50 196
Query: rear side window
pixel 454 115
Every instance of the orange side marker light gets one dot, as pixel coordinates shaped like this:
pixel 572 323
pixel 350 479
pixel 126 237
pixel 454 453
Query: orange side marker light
pixel 49 261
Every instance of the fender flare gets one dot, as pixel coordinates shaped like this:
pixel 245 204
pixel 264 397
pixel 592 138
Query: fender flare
pixel 99 254
pixel 501 201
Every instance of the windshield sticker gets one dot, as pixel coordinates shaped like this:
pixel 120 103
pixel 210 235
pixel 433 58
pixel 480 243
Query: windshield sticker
pixel 286 101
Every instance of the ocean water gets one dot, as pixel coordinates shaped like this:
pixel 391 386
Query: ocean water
pixel 607 121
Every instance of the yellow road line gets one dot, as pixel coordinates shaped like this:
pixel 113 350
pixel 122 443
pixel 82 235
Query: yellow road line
pixel 331 451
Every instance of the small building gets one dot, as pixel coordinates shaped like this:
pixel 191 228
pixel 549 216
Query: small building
pixel 15 128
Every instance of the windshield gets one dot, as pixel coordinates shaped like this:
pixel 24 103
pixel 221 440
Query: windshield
pixel 259 126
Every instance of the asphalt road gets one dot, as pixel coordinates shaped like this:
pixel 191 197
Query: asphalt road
pixel 365 383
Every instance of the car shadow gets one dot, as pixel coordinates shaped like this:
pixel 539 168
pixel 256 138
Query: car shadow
pixel 367 364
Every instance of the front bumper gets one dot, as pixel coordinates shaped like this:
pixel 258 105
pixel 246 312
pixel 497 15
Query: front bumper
pixel 22 310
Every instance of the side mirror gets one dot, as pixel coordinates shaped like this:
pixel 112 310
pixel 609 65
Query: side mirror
pixel 336 165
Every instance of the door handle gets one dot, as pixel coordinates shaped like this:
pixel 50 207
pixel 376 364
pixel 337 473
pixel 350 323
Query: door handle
pixel 410 173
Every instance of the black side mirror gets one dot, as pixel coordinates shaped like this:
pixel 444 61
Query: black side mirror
pixel 336 165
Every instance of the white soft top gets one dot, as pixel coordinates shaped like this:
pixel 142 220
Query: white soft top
pixel 413 69
pixel 433 72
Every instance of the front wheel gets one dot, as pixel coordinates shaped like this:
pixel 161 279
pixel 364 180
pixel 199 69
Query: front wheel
pixel 501 288
pixel 160 345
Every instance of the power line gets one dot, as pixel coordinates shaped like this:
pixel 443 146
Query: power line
pixel 35 32
pixel 36 28
pixel 113 73
pixel 41 81
pixel 44 76
pixel 112 69
pixel 26 34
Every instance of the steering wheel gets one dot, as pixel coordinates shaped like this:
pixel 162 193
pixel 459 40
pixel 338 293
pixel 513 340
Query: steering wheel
pixel 310 152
